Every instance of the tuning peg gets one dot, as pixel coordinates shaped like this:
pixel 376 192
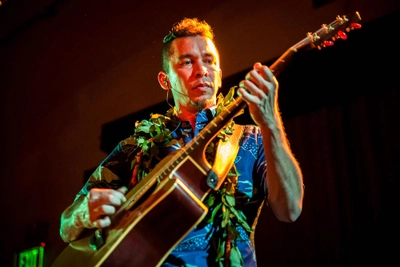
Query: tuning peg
pixel 342 35
pixel 328 43
pixel 355 25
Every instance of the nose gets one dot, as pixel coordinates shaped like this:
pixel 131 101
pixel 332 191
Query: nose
pixel 201 70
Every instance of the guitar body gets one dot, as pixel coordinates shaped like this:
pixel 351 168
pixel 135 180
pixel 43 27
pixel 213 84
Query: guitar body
pixel 141 237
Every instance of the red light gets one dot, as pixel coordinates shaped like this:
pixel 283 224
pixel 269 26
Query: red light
pixel 342 35
pixel 355 25
pixel 328 43
pixel 42 244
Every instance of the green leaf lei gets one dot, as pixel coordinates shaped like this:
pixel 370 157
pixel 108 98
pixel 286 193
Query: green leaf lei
pixel 223 213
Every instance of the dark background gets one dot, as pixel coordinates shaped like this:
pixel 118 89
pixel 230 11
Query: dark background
pixel 76 75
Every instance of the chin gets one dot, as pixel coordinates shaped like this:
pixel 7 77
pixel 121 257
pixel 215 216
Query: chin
pixel 203 104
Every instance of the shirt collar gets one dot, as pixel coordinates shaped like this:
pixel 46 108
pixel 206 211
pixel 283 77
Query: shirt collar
pixel 203 117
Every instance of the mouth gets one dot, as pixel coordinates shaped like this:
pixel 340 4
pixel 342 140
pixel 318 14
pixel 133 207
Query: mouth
pixel 202 86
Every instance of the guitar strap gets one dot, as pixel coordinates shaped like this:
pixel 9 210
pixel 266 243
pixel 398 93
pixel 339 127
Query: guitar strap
pixel 224 158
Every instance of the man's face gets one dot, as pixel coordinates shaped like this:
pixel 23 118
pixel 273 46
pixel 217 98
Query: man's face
pixel 194 73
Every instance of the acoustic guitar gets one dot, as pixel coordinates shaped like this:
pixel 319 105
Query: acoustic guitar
pixel 144 229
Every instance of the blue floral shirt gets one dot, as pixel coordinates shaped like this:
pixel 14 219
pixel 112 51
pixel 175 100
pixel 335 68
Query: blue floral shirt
pixel 250 163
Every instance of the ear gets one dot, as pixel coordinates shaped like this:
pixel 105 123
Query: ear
pixel 163 80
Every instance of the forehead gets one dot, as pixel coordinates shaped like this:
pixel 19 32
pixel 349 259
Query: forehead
pixel 193 46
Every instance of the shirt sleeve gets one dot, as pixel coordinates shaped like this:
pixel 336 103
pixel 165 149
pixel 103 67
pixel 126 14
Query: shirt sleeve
pixel 115 170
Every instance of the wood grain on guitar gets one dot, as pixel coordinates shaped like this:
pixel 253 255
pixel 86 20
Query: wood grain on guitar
pixel 145 229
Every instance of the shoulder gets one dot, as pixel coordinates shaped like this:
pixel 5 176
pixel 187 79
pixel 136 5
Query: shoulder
pixel 124 148
pixel 131 140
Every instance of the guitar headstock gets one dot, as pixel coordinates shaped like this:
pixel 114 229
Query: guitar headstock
pixel 329 33
pixel 326 36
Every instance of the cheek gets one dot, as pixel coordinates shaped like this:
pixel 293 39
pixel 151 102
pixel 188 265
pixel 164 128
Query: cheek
pixel 181 78
pixel 217 80
pixel 179 85
pixel 180 82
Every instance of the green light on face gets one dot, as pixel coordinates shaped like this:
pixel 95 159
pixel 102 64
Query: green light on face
pixel 32 257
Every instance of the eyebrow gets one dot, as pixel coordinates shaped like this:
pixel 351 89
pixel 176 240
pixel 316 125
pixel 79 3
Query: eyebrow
pixel 185 56
pixel 192 55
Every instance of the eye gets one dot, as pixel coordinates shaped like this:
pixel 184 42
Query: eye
pixel 210 61
pixel 185 62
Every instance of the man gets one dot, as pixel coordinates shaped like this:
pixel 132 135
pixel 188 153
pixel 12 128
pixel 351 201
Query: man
pixel 264 166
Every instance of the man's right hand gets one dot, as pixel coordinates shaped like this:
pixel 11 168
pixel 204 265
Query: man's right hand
pixel 100 204
pixel 90 211
pixel 97 206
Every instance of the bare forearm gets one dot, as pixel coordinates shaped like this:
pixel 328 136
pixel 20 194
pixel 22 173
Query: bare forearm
pixel 71 225
pixel 284 177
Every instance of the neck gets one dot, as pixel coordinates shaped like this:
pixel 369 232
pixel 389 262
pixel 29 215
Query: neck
pixel 189 112
pixel 188 116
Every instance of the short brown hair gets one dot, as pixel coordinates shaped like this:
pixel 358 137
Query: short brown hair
pixel 184 28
